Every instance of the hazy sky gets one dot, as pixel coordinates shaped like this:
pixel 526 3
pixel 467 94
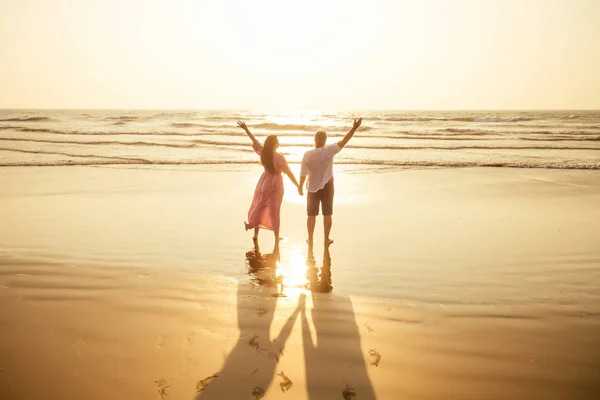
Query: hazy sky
pixel 309 54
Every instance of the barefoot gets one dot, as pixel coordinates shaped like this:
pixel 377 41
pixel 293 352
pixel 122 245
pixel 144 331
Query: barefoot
pixel 328 242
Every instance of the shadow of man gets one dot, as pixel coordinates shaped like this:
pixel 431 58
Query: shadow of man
pixel 335 364
pixel 250 366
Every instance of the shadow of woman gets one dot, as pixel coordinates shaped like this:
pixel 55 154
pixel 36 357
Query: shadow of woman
pixel 250 366
pixel 335 365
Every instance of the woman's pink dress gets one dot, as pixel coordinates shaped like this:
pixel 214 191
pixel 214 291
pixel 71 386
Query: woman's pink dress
pixel 268 195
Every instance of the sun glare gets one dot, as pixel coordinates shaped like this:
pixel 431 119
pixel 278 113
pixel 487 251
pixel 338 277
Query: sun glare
pixel 291 271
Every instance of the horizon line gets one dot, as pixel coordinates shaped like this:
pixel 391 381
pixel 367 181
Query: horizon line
pixel 305 109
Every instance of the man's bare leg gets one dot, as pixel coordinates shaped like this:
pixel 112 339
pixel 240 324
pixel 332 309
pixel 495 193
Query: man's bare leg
pixel 327 222
pixel 310 227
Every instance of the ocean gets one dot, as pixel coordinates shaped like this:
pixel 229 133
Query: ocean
pixel 392 139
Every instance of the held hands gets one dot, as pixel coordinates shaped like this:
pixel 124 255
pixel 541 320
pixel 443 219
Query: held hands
pixel 356 124
pixel 300 189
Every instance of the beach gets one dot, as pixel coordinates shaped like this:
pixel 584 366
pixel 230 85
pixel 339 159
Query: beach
pixel 148 147
pixel 126 282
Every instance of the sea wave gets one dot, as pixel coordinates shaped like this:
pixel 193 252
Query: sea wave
pixel 125 118
pixel 455 119
pixel 299 127
pixel 95 160
pixel 499 119
pixel 574 133
pixel 441 134
pixel 469 131
pixel 116 159
pixel 190 125
pixel 455 134
pixel 568 138
pixel 587 127
pixel 242 146
pixel 410 147
pixel 26 119
pixel 110 133
pixel 206 129
pixel 100 142
pixel 232 117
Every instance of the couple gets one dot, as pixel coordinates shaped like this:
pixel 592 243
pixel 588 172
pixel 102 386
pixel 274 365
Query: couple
pixel 317 166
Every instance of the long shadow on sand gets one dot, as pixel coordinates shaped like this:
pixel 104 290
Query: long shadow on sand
pixel 335 365
pixel 250 366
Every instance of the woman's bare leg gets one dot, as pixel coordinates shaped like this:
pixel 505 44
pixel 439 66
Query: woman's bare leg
pixel 277 239
pixel 256 233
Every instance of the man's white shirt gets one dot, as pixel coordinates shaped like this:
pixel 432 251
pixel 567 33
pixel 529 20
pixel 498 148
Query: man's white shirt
pixel 317 164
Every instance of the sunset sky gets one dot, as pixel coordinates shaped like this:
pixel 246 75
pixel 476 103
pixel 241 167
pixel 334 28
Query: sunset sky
pixel 309 54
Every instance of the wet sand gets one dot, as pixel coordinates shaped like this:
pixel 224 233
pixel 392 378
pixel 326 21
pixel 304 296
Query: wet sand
pixel 123 283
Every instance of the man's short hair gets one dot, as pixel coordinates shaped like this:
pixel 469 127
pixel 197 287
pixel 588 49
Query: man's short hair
pixel 321 136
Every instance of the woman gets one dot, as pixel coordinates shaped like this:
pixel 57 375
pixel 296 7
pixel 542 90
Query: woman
pixel 268 195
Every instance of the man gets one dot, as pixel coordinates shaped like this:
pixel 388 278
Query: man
pixel 317 165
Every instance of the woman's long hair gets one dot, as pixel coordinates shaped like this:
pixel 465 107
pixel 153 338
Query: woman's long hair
pixel 266 158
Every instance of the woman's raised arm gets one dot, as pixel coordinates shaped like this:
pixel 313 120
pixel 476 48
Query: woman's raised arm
pixel 243 125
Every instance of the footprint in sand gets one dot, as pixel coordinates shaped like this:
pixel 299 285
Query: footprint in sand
pixel 258 393
pixel 163 385
pixel 203 383
pixel 349 393
pixel 190 337
pixel 163 341
pixel 286 384
pixel 376 356
pixel 254 342
pixel 261 312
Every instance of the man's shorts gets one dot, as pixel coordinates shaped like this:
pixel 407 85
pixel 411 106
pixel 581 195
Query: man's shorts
pixel 323 197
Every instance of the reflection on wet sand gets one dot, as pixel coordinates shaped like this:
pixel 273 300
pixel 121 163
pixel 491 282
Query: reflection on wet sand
pixel 335 365
pixel 335 354
pixel 250 366
pixel 262 268
pixel 318 281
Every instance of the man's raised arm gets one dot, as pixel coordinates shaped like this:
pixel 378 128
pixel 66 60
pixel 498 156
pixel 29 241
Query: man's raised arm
pixel 349 135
